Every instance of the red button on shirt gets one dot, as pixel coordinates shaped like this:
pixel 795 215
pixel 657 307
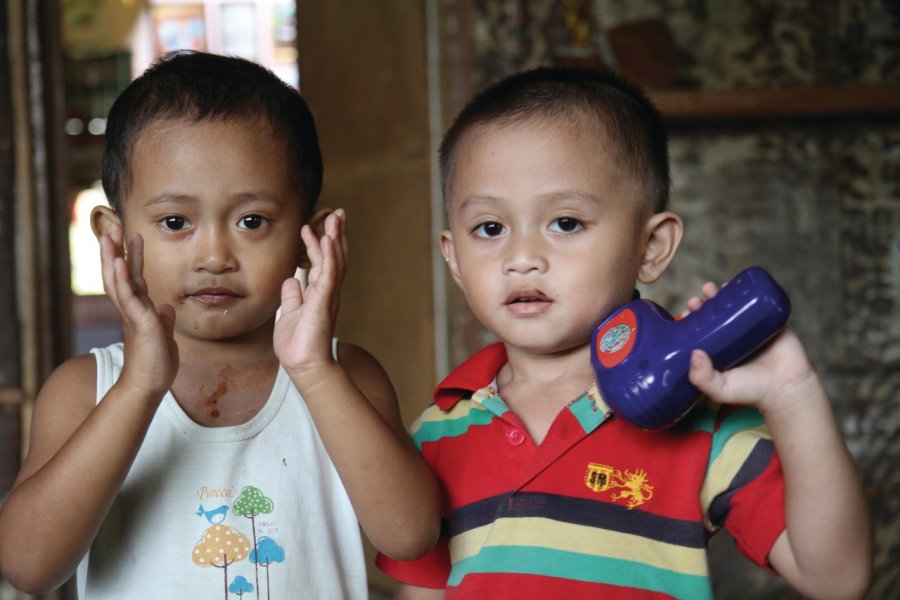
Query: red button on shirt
pixel 515 437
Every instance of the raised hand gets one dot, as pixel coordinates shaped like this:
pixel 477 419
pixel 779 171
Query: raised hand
pixel 303 333
pixel 773 379
pixel 151 354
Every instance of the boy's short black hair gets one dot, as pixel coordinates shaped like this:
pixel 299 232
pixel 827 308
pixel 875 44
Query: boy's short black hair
pixel 619 108
pixel 200 86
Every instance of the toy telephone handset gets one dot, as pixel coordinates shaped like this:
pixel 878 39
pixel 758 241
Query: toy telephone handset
pixel 641 356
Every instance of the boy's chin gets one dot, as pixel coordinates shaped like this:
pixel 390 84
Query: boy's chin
pixel 224 328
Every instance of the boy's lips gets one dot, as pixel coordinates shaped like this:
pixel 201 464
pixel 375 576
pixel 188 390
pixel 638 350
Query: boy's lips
pixel 214 296
pixel 527 302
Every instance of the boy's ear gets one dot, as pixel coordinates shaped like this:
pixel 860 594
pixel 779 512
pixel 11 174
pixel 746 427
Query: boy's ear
pixel 449 253
pixel 662 235
pixel 101 217
pixel 317 222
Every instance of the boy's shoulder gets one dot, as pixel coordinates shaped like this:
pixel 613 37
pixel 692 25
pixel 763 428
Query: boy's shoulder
pixel 369 376
pixel 71 387
pixel 74 378
pixel 362 367
pixel 63 404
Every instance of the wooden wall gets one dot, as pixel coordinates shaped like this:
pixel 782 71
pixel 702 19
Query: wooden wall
pixel 363 72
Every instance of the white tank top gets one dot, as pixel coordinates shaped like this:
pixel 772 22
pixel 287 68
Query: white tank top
pixel 251 511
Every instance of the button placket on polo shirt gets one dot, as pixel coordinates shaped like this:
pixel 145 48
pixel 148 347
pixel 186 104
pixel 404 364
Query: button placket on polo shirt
pixel 572 425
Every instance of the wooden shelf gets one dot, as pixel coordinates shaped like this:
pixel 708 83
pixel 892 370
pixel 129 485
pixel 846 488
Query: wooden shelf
pixel 803 102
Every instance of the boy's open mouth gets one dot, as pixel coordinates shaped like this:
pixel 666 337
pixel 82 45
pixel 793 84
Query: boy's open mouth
pixel 526 302
pixel 215 296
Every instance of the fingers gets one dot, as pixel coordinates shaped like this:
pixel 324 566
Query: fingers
pixel 708 291
pixel 341 247
pixel 338 233
pixel 695 303
pixel 135 261
pixel 110 248
pixel 329 255
pixel 116 233
pixel 127 298
pixel 739 385
pixel 328 272
pixel 313 249
pixel 122 272
pixel 335 229
pixel 291 295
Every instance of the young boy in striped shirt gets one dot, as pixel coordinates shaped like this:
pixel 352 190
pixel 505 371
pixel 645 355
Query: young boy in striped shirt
pixel 556 184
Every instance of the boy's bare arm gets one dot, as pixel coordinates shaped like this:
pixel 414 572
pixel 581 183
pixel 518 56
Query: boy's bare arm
pixel 393 491
pixel 352 402
pixel 826 549
pixel 81 452
pixel 76 463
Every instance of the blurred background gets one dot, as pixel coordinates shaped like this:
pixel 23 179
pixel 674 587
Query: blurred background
pixel 784 122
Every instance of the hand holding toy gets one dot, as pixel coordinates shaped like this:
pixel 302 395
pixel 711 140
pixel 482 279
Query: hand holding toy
pixel 641 356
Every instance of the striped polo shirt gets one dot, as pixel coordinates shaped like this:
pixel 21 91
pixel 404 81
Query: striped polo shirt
pixel 599 508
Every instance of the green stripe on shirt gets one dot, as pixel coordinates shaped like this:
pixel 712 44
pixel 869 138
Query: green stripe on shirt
pixel 740 420
pixel 529 560
pixel 431 431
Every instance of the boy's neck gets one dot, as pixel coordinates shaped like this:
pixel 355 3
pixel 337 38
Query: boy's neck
pixel 224 383
pixel 538 386
pixel 237 352
pixel 546 368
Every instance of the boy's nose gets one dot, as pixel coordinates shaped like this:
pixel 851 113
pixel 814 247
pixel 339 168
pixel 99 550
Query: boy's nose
pixel 213 252
pixel 524 253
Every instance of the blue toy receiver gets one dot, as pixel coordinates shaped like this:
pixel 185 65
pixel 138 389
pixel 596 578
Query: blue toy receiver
pixel 641 355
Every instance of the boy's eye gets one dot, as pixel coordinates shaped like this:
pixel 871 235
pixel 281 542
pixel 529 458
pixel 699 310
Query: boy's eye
pixel 251 222
pixel 565 225
pixel 174 223
pixel 489 229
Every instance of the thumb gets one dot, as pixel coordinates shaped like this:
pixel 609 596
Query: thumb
pixel 704 376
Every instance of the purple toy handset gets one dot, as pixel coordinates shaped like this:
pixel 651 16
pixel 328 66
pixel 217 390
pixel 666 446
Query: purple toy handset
pixel 641 356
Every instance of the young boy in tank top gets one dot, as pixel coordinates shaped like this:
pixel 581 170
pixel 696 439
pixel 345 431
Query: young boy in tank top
pixel 218 450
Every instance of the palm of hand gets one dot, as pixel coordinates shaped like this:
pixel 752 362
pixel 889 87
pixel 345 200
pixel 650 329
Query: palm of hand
pixel 303 333
pixel 151 354
pixel 300 329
